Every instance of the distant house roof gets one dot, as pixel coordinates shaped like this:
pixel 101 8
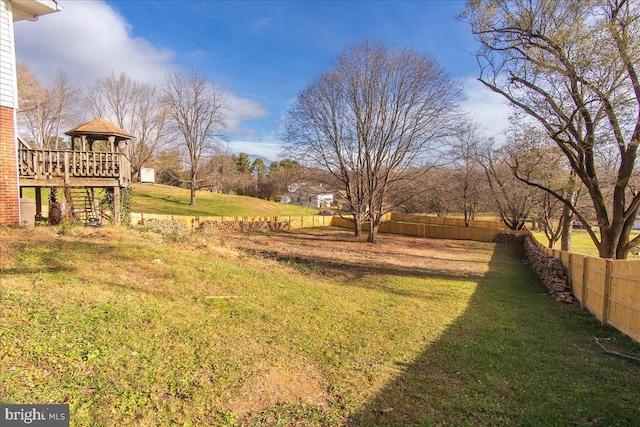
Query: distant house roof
pixel 30 10
pixel 308 188
pixel 99 128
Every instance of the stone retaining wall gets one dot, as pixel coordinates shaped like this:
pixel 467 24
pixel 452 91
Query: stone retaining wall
pixel 241 226
pixel 550 271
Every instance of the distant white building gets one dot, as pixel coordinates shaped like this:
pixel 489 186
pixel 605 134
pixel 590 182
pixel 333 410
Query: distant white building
pixel 305 194
pixel 147 175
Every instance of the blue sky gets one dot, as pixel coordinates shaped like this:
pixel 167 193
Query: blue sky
pixel 262 52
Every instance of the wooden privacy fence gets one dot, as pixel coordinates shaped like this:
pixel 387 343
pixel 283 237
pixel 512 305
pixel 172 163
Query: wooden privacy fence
pixel 609 289
pixel 454 222
pixel 410 225
pixel 435 228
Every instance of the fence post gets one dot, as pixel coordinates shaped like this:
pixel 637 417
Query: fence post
pixel 585 278
pixel 569 271
pixel 607 291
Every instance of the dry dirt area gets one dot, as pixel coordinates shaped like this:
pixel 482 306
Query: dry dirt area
pixel 340 250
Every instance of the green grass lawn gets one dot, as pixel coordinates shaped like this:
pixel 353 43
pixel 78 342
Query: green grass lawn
pixel 207 335
pixel 163 199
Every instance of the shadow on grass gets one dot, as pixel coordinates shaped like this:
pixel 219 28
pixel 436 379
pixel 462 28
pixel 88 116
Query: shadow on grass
pixel 515 357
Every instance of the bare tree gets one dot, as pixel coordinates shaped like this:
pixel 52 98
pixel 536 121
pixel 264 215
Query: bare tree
pixel 512 198
pixel 135 107
pixel 440 188
pixel 220 174
pixel 169 167
pixel 45 111
pixel 195 109
pixel 467 171
pixel 572 66
pixel 370 121
pixel 535 158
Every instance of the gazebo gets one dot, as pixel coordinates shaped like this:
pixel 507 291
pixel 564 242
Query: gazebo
pixel 98 158
pixel 99 129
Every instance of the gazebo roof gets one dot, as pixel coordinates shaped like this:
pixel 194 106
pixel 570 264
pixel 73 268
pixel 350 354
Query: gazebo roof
pixel 99 129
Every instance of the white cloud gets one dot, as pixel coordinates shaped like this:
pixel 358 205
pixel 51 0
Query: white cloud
pixel 488 108
pixel 88 40
pixel 269 151
pixel 259 24
pixel 240 110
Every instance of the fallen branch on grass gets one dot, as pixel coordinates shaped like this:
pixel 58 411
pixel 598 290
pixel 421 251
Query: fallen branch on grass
pixel 616 353
pixel 226 296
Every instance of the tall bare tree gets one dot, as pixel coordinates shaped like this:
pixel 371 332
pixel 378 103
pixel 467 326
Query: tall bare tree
pixel 535 158
pixel 195 110
pixel 370 121
pixel 468 175
pixel 572 66
pixel 220 174
pixel 513 199
pixel 135 107
pixel 45 111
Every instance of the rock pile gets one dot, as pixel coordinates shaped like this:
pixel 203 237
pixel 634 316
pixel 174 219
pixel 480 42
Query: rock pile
pixel 550 270
pixel 508 238
pixel 164 226
pixel 214 227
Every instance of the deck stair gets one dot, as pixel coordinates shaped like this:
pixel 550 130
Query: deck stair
pixel 86 206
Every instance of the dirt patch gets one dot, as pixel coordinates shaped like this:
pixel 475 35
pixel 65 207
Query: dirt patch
pixel 295 384
pixel 339 251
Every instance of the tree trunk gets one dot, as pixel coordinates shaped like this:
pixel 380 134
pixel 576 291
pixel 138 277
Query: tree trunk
pixel 192 192
pixel 373 230
pixel 192 188
pixel 357 226
pixel 467 215
pixel 608 242
pixel 623 248
pixel 607 249
pixel 68 196
pixel 567 228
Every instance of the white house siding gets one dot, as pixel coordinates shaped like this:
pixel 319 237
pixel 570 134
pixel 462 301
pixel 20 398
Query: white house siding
pixel 325 200
pixel 8 89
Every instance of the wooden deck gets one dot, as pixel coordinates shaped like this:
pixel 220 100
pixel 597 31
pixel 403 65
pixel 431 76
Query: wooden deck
pixel 57 168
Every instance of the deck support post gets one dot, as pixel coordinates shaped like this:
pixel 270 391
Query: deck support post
pixel 116 205
pixel 38 202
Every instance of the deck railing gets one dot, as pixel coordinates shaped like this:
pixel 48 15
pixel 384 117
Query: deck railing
pixel 45 164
